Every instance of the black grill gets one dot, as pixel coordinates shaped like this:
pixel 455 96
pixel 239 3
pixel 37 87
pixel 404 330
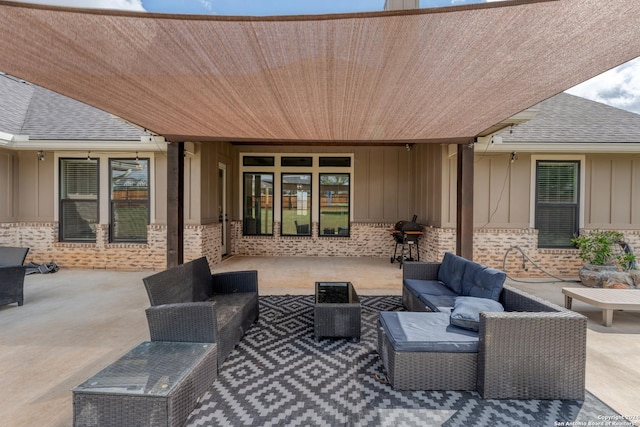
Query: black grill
pixel 406 235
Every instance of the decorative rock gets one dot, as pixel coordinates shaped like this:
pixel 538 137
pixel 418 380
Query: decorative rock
pixel 595 276
pixel 619 280
pixel 635 275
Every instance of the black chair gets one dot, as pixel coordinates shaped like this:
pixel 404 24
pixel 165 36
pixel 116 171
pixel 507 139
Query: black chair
pixel 12 272
pixel 302 229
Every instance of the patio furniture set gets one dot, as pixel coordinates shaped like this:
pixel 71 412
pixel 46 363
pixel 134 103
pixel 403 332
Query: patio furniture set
pixel 12 272
pixel 196 318
pixel 464 330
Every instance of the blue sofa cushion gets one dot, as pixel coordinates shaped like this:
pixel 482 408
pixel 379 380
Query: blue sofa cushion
pixel 411 331
pixel 443 303
pixel 432 287
pixel 451 271
pixel 482 282
pixel 466 311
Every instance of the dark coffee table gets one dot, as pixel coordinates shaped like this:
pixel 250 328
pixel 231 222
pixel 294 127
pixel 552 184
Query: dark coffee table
pixel 336 311
pixel 156 383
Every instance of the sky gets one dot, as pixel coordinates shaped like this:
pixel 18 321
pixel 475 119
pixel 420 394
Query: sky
pixel 619 87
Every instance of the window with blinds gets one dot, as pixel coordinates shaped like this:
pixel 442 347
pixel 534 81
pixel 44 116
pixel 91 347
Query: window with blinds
pixel 129 200
pixel 78 200
pixel 557 202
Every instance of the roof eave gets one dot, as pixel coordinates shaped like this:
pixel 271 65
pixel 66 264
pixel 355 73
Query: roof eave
pixel 489 145
pixel 146 143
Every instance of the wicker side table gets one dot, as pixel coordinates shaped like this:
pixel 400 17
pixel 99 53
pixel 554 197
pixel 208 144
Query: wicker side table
pixel 337 311
pixel 156 383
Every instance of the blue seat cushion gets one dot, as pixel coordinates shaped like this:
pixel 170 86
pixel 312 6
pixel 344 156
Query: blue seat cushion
pixel 431 332
pixel 466 311
pixel 442 303
pixel 451 271
pixel 482 282
pixel 432 287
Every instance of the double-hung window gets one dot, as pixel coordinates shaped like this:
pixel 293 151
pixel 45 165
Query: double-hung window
pixel 78 199
pixel 557 202
pixel 129 200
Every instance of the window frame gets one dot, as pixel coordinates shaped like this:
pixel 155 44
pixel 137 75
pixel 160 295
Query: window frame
pixel 277 170
pixel 310 208
pixel 63 201
pixel 320 226
pixel 112 201
pixel 580 160
pixel 245 224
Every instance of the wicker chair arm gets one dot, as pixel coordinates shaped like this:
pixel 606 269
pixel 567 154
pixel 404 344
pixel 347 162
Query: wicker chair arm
pixel 514 299
pixel 420 270
pixel 183 322
pixel 235 281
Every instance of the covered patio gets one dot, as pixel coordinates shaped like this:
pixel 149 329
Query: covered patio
pixel 423 76
pixel 444 76
pixel 76 322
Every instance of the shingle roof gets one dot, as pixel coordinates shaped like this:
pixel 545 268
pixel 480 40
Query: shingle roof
pixel 566 119
pixel 27 109
pixel 14 103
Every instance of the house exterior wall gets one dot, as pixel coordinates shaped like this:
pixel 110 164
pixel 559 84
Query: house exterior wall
pixel 367 240
pixel 613 192
pixel 389 183
pixel 8 180
pixel 42 239
pixel 36 188
pixel 427 194
pixel 504 230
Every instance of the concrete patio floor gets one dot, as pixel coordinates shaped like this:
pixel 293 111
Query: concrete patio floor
pixel 76 322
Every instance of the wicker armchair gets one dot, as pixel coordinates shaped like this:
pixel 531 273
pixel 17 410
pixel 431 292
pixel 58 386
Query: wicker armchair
pixel 12 274
pixel 189 304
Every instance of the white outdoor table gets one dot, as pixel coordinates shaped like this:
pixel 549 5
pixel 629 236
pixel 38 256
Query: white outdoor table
pixel 606 299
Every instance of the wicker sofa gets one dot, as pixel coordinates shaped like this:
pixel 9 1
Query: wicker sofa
pixel 189 304
pixel 532 350
pixel 12 272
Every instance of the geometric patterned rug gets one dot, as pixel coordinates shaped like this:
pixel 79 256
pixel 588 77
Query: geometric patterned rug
pixel 278 375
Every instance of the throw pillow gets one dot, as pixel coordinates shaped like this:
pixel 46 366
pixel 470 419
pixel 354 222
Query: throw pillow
pixel 466 311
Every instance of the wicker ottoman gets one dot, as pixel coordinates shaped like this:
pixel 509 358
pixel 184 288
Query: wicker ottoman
pixel 427 370
pixel 155 384
pixel 337 311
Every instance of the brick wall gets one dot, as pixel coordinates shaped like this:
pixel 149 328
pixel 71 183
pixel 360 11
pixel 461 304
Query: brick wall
pixel 514 250
pixel 366 239
pixel 42 239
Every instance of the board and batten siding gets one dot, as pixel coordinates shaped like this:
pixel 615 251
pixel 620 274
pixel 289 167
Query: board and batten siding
pixel 613 192
pixel 503 191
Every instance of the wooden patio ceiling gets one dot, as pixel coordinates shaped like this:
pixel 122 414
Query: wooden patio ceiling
pixel 427 75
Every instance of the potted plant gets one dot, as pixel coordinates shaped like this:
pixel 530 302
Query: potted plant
pixel 604 253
